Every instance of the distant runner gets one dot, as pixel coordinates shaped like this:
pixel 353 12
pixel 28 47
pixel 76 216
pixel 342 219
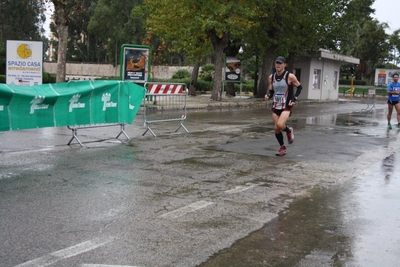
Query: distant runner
pixel 393 92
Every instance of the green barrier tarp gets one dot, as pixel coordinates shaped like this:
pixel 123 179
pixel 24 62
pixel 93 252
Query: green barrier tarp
pixel 69 104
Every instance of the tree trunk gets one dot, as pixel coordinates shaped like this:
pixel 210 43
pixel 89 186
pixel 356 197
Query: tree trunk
pixel 230 89
pixel 61 22
pixel 194 77
pixel 266 70
pixel 255 78
pixel 219 44
pixel 217 79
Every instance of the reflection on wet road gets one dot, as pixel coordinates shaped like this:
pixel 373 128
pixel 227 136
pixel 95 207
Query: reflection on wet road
pixel 355 223
pixel 372 218
pixel 352 224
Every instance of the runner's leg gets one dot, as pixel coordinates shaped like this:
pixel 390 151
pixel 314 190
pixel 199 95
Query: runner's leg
pixel 277 130
pixel 397 107
pixel 389 115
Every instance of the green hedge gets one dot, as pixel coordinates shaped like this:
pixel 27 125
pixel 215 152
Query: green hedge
pixel 246 87
pixel 49 77
pixel 361 91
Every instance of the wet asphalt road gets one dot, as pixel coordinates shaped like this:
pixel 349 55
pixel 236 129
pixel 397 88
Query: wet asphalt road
pixel 216 196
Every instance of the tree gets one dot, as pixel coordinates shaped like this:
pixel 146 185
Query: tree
pixel 81 44
pixel 292 29
pixel 187 39
pixel 362 36
pixel 197 25
pixel 64 12
pixel 122 26
pixel 12 16
pixel 62 17
pixel 21 19
pixel 2 57
pixel 394 42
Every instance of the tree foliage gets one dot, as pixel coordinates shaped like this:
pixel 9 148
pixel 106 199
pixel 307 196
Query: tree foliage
pixel 394 43
pixel 18 23
pixel 114 24
pixel 21 19
pixel 64 13
pixel 81 44
pixel 290 29
pixel 2 57
pixel 361 36
pixel 196 25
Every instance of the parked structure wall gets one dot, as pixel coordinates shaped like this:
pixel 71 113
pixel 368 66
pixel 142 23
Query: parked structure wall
pixel 86 71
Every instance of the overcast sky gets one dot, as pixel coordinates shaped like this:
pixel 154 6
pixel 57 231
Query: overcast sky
pixel 388 11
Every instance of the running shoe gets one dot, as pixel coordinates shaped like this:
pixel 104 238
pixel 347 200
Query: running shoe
pixel 281 151
pixel 389 126
pixel 290 136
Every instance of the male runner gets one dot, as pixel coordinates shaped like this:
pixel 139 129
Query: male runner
pixel 281 89
pixel 393 92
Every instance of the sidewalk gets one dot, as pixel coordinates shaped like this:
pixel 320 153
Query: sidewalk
pixel 204 101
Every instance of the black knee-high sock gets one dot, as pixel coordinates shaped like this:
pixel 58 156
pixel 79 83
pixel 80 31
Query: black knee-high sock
pixel 279 137
pixel 287 130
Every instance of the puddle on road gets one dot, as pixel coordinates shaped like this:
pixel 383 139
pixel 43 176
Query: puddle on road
pixel 350 119
pixel 388 166
pixel 371 214
pixel 352 224
pixel 309 223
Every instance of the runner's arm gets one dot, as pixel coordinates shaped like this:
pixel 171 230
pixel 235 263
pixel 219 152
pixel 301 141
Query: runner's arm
pixel 271 91
pixel 293 80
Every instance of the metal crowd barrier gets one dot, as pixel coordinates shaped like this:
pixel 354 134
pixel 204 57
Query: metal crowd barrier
pixel 164 103
pixel 370 100
pixel 75 129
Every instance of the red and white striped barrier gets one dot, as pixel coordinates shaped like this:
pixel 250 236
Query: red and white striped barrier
pixel 169 104
pixel 160 89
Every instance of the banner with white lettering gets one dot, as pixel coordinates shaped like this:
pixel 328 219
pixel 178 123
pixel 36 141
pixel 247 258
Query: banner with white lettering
pixel 69 104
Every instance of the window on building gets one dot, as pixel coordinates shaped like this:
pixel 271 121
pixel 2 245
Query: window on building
pixel 335 80
pixel 317 79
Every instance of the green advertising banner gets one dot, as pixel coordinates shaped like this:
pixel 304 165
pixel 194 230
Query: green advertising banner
pixel 69 104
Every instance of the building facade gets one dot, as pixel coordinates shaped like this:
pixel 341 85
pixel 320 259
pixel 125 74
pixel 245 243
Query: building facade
pixel 319 74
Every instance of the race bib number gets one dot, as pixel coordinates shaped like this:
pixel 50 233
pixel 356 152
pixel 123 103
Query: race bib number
pixel 396 89
pixel 279 98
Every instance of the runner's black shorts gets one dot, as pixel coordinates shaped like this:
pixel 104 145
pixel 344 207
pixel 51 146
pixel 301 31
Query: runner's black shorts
pixel 279 111
pixel 393 102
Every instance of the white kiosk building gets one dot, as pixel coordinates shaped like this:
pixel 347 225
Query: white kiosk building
pixel 319 74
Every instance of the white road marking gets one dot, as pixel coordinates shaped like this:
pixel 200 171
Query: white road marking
pixel 66 253
pixel 187 209
pixel 104 265
pixel 240 188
